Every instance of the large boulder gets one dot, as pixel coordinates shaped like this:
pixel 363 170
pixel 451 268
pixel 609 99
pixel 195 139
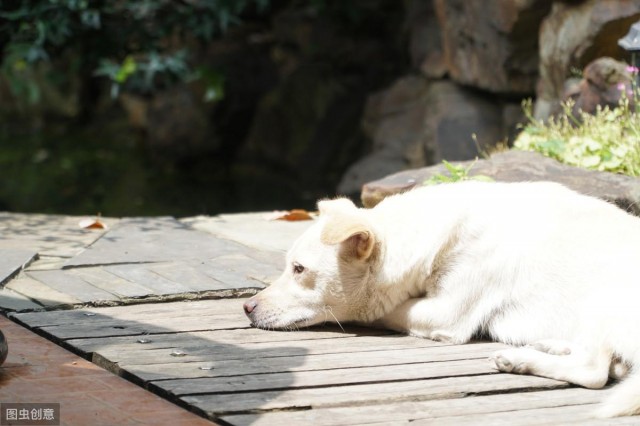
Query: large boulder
pixel 460 123
pixel 492 45
pixel 394 121
pixel 517 166
pixel 574 34
pixel 306 129
pixel 416 122
pixel 425 40
pixel 605 81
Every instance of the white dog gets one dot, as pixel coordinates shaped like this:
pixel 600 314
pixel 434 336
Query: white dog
pixel 522 263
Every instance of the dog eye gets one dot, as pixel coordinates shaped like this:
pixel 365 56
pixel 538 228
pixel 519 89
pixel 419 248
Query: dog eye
pixel 298 268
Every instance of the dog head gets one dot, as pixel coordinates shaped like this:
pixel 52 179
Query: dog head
pixel 328 274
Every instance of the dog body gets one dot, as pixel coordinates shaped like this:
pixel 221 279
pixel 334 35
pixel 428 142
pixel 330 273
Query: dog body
pixel 522 263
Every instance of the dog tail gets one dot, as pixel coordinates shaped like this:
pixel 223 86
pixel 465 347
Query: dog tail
pixel 625 399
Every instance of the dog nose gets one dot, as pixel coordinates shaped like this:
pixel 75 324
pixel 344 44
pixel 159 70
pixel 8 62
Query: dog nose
pixel 249 306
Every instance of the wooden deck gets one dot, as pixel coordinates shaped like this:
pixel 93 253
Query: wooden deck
pixel 127 299
pixel 205 356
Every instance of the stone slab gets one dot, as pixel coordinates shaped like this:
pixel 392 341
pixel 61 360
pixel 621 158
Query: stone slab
pixel 518 166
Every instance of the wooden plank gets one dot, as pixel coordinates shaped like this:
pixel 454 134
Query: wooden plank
pixel 202 347
pixel 49 235
pixel 40 292
pixel 367 394
pixel 429 411
pixel 565 415
pixel 239 270
pixel 99 326
pixel 254 341
pixel 103 279
pixel 142 275
pixel 13 261
pixel 12 301
pixel 139 312
pixel 163 366
pixel 153 240
pixel 45 263
pixel 335 377
pixel 72 285
pixel 186 274
pixel 251 229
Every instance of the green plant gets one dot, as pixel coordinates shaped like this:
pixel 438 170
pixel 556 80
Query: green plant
pixel 608 140
pixel 139 45
pixel 457 173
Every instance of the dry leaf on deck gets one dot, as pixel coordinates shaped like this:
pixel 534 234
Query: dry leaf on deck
pixel 291 215
pixel 94 223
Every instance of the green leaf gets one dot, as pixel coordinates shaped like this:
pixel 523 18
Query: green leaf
pixel 454 170
pixel 127 68
pixel 214 84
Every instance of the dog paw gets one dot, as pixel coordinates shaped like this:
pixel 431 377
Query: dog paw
pixel 553 347
pixel 508 361
pixel 443 336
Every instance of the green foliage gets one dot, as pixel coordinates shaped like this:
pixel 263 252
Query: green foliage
pixel 457 173
pixel 608 140
pixel 139 45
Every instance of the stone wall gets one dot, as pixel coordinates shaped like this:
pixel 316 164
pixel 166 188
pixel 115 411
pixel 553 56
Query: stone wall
pixel 472 63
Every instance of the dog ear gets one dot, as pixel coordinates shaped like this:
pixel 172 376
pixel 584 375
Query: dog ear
pixel 337 205
pixel 352 231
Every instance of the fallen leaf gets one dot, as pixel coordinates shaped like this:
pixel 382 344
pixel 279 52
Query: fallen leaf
pixel 94 223
pixel 291 215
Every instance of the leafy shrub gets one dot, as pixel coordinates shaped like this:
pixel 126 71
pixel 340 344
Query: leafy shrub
pixel 139 45
pixel 608 140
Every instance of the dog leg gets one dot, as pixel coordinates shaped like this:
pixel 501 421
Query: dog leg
pixel 553 346
pixel 618 369
pixel 590 370
pixel 428 318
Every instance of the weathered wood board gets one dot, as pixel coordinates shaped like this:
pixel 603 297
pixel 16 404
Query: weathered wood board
pixel 203 354
pixel 12 262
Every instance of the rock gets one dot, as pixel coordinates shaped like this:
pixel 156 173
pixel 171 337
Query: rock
pixel 454 115
pixel 372 167
pixel 574 34
pixel 605 82
pixel 307 127
pixel 425 41
pixel 303 123
pixel 416 122
pixel 516 166
pixel 395 121
pixel 492 45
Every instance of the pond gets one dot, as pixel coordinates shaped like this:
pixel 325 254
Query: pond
pixel 85 170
